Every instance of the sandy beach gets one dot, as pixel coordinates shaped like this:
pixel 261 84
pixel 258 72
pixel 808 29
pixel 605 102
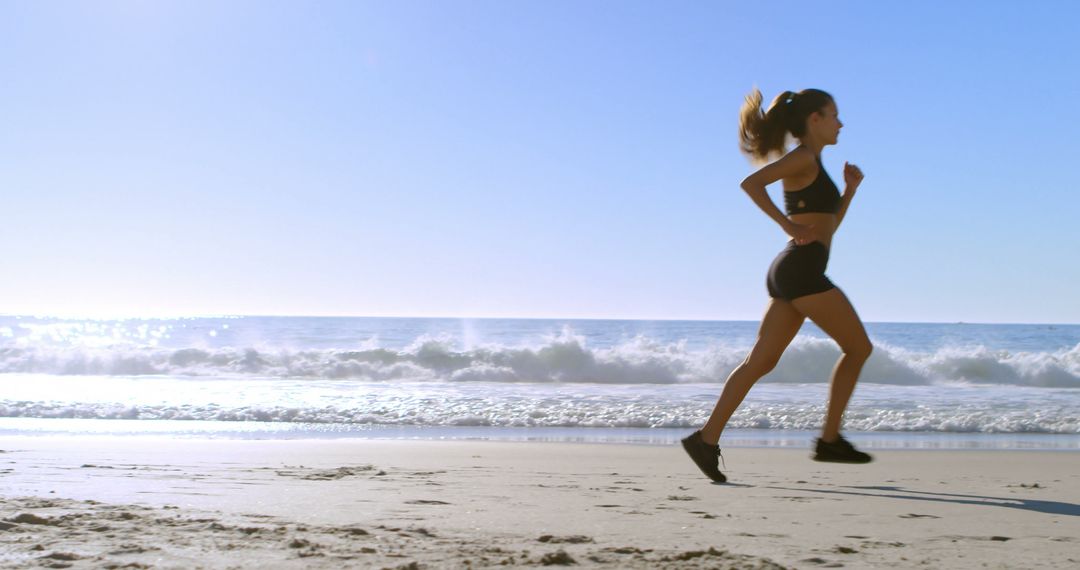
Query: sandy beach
pixel 82 502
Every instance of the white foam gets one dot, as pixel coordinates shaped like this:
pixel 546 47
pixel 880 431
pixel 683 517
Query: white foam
pixel 888 408
pixel 565 358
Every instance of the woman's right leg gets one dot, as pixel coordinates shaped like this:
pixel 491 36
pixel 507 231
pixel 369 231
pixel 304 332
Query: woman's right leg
pixel 832 312
pixel 779 326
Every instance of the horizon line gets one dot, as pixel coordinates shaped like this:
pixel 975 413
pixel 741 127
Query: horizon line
pixel 211 315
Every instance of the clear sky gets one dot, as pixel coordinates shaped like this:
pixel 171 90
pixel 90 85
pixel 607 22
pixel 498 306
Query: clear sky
pixel 526 158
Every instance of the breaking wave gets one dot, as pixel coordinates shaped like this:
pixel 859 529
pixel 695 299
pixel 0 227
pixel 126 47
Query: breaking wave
pixel 566 358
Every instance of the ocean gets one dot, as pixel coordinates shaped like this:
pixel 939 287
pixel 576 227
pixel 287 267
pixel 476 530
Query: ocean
pixel 936 386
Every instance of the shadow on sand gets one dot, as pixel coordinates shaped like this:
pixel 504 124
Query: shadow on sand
pixel 1033 505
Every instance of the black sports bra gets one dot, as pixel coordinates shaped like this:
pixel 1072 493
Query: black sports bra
pixel 821 196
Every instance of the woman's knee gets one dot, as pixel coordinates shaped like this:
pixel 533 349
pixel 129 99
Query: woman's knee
pixel 860 349
pixel 760 364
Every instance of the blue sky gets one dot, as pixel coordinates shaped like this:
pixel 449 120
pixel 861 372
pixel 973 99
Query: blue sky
pixel 525 159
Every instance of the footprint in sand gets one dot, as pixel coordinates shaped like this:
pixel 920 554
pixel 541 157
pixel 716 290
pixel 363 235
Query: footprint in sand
pixel 557 558
pixel 880 544
pixel 64 556
pixel 955 538
pixel 572 539
pixel 824 563
pixel 332 474
pixel 30 518
pixel 766 535
pixel 799 499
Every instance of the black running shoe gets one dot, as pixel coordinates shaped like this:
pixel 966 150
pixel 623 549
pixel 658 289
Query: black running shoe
pixel 840 451
pixel 704 455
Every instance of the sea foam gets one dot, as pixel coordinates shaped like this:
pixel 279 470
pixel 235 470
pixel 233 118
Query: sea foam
pixel 876 407
pixel 565 358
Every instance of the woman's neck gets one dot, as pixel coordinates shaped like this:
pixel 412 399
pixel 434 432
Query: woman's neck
pixel 814 145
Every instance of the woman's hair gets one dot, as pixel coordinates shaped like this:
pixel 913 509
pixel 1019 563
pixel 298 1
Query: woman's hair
pixel 763 134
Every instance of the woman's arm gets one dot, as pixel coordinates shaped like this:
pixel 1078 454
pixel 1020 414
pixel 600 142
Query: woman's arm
pixel 754 185
pixel 852 178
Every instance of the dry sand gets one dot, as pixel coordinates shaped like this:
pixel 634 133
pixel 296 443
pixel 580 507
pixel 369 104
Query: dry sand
pixel 166 503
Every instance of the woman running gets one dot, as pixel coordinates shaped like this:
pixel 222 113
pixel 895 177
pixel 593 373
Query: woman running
pixel 796 281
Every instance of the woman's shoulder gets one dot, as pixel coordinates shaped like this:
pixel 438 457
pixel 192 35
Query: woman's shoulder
pixel 799 159
pixel 796 164
pixel 802 153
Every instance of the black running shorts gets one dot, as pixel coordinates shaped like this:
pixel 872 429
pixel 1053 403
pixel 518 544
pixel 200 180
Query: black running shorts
pixel 798 271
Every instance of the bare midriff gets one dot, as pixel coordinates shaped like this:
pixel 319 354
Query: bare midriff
pixel 824 225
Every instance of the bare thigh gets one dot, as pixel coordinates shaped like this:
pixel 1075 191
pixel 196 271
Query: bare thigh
pixel 832 312
pixel 779 325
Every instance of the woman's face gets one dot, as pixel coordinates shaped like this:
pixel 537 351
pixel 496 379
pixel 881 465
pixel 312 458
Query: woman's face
pixel 827 123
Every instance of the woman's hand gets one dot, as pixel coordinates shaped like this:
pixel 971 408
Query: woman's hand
pixel 802 234
pixel 852 176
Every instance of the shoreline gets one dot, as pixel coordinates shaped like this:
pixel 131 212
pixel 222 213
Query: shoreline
pixel 160 502
pixel 733 438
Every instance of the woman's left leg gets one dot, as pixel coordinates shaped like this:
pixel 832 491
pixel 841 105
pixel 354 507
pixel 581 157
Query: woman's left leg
pixel 832 312
pixel 778 327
